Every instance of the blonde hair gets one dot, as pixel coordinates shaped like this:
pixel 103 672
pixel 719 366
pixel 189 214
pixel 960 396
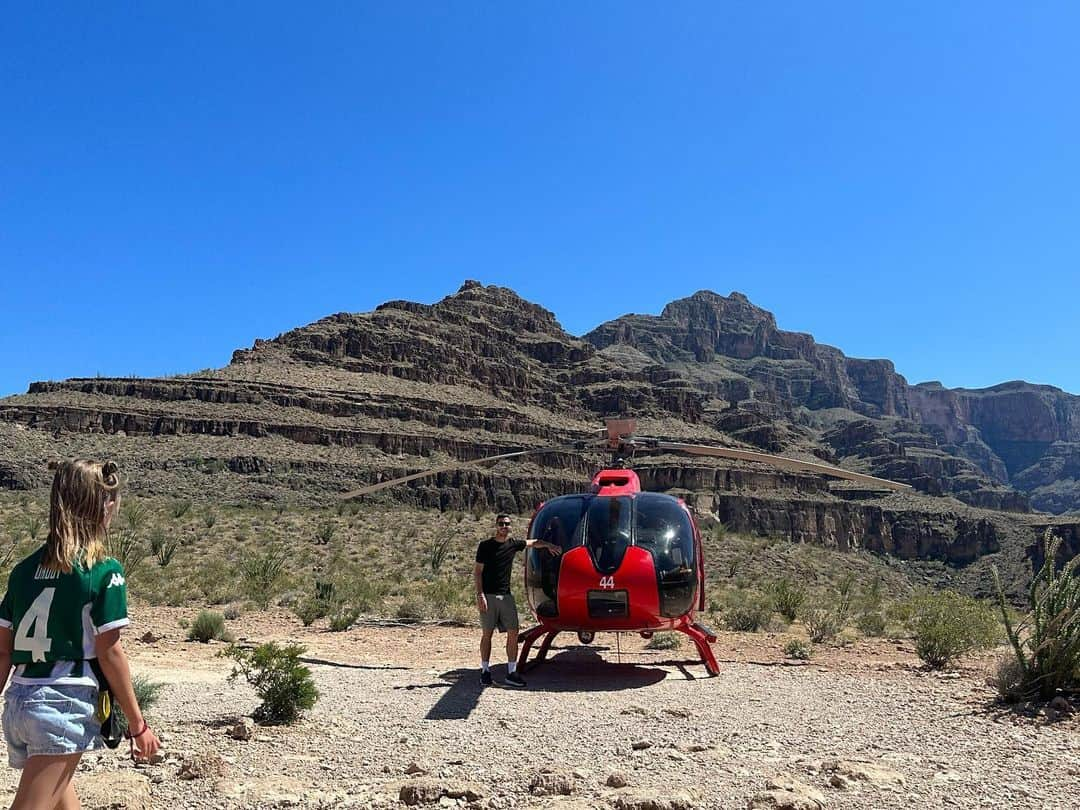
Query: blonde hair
pixel 81 491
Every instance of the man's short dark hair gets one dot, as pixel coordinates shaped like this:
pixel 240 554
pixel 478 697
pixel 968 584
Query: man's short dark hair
pixel 502 515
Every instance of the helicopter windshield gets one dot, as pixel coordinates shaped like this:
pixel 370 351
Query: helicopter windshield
pixel 607 531
pixel 663 528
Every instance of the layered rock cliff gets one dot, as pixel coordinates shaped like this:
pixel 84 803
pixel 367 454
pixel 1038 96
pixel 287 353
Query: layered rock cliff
pixel 360 397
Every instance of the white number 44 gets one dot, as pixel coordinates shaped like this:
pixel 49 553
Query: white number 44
pixel 32 633
pixel 607 582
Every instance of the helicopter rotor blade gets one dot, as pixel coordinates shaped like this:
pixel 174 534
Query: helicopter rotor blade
pixel 561 448
pixel 782 462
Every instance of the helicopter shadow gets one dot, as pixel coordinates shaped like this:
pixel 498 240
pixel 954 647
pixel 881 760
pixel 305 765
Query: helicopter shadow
pixel 571 669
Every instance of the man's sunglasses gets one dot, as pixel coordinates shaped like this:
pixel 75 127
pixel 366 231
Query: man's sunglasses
pixel 503 523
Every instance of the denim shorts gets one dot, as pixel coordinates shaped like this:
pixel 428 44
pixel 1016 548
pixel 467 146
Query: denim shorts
pixel 49 721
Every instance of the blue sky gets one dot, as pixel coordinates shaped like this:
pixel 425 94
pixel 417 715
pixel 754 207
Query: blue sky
pixel 901 180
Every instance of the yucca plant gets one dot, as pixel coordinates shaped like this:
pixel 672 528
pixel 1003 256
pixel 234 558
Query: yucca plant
pixel 1046 642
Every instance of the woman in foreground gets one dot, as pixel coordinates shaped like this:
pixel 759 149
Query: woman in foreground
pixel 65 605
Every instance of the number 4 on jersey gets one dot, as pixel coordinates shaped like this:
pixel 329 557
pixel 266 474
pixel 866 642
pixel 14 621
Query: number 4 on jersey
pixel 36 619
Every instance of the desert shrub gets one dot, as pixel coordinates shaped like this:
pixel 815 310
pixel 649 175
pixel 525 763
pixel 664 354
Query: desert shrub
pixel 870 600
pixel 871 624
pixel 344 618
pixel 162 547
pixel 664 641
pixel 209 519
pixel 180 508
pixel 147 693
pixel 798 650
pixel 361 592
pixel 127 549
pixel 787 597
pixel 7 553
pixel 719 532
pixel 412 608
pixel 208 625
pixel 281 681
pixel 443 595
pixel 440 548
pixel 325 533
pixel 945 625
pixel 232 613
pixel 216 581
pixel 845 596
pixel 134 514
pixel 1046 641
pixel 746 611
pixel 33 525
pixel 324 590
pixel 310 610
pixel 1007 678
pixel 262 575
pixel 823 620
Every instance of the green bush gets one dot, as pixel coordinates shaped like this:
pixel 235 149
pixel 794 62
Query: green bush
pixel 799 650
pixel 126 548
pixel 282 683
pixel 216 580
pixel 208 625
pixel 746 611
pixel 180 508
pixel 946 625
pixel 34 524
pixel 823 620
pixel 262 575
pixel 1046 642
pixel 440 548
pixel 664 641
pixel 134 514
pixel 162 547
pixel 147 693
pixel 344 618
pixel 787 597
pixel 412 608
pixel 311 609
pixel 1007 678
pixel 871 624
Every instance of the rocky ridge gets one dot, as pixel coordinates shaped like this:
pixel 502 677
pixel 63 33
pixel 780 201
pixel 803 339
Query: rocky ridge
pixel 356 398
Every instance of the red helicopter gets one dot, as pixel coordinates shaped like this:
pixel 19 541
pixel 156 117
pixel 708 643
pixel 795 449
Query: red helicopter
pixel 632 561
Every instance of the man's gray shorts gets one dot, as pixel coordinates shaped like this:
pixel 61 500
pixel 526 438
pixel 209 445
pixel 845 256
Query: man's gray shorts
pixel 501 612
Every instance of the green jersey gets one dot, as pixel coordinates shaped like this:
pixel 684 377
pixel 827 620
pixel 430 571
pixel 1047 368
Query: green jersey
pixel 55 618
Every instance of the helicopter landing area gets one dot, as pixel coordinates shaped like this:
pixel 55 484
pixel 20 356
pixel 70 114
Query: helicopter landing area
pixel 858 727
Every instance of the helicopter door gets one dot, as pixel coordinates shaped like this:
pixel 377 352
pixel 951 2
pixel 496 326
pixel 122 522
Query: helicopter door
pixel 556 522
pixel 663 528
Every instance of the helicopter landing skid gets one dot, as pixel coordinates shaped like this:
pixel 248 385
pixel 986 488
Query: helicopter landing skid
pixel 527 639
pixel 701 637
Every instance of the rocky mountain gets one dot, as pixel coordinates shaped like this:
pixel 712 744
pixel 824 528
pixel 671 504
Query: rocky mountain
pixel 988 447
pixel 359 397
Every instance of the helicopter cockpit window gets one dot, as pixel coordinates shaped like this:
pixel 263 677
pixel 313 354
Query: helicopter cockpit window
pixel 663 528
pixel 556 522
pixel 607 531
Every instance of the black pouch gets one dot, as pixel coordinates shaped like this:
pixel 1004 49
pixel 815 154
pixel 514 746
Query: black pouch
pixel 106 710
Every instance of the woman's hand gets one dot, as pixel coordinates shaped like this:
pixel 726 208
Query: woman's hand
pixel 145 745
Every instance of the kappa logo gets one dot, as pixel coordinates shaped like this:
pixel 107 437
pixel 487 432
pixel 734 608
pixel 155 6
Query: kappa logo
pixel 117 579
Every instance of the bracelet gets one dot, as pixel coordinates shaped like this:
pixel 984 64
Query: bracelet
pixel 145 728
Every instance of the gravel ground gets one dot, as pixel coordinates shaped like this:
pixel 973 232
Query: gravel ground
pixel 400 700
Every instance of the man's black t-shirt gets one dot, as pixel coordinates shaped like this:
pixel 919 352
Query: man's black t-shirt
pixel 498 559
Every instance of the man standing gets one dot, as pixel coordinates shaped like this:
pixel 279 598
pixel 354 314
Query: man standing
pixel 494 559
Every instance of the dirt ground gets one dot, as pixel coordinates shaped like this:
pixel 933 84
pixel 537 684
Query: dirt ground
pixel 402 714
